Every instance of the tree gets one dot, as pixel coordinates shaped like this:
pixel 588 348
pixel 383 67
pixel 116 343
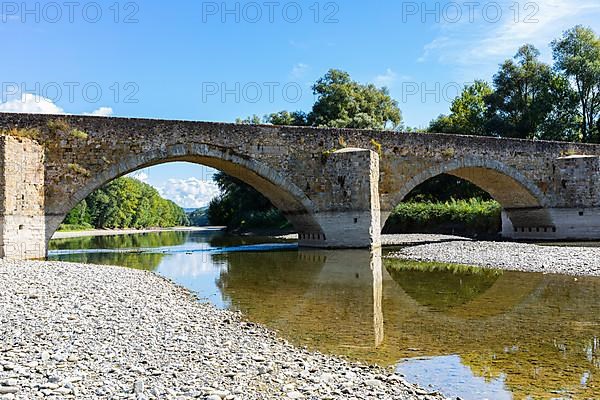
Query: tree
pixel 237 203
pixel 253 120
pixel 296 118
pixel 468 112
pixel 344 103
pixel 126 203
pixel 515 107
pixel 559 102
pixel 341 103
pixel 577 55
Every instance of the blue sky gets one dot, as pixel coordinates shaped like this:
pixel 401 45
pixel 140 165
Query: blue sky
pixel 217 61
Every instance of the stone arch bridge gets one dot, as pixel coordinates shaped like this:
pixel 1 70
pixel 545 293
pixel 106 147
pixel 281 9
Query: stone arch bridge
pixel 336 186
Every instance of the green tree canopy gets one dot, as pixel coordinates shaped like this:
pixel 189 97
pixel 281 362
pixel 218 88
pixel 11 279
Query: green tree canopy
pixel 344 103
pixel 517 106
pixel 126 203
pixel 468 112
pixel 577 55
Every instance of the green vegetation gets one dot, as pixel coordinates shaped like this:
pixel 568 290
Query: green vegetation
pixel 29 133
pixel 199 217
pixel 241 207
pixel 440 285
pixel 125 203
pixel 79 134
pixel 78 169
pixel 467 217
pixel 341 103
pixel 59 124
pixel 530 99
pixel 84 226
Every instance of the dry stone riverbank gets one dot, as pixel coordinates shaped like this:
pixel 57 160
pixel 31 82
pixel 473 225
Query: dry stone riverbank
pixel 77 331
pixel 564 259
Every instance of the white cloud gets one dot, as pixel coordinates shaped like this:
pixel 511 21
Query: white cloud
pixel 140 176
pixel 31 103
pixel 472 44
pixel 299 70
pixel 101 112
pixel 190 192
pixel 386 79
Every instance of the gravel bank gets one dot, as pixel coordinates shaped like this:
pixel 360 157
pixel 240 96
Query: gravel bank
pixel 510 256
pixel 83 331
pixel 404 239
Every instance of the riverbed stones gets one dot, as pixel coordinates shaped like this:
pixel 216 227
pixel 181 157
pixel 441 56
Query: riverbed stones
pixel 138 336
pixel 555 259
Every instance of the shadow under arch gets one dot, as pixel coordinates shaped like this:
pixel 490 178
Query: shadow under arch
pixel 282 193
pixel 519 197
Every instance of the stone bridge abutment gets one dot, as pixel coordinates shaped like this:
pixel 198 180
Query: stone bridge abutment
pixel 337 187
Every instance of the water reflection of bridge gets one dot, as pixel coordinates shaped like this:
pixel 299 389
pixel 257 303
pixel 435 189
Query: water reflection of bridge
pixel 537 330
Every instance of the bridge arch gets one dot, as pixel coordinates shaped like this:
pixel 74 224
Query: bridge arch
pixel 283 193
pixel 517 195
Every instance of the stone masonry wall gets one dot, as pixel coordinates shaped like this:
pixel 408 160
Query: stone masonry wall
pixel 22 220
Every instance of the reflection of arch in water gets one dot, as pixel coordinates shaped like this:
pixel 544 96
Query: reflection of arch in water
pixel 306 294
pixel 482 292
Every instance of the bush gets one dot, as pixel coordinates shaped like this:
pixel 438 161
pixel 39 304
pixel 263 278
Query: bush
pixel 468 217
pixel 75 227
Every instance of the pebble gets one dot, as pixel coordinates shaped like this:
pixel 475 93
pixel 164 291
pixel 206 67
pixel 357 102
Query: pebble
pixel 101 331
pixel 8 389
pixel 525 257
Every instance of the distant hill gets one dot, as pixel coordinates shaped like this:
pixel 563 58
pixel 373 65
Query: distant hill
pixel 198 216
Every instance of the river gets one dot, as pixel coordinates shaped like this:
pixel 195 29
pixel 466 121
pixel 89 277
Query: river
pixel 467 332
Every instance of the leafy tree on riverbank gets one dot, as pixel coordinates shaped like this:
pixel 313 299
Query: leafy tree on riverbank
pixel 577 56
pixel 533 100
pixel 126 203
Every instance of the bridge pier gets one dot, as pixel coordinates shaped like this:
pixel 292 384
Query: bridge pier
pixel 22 218
pixel 351 215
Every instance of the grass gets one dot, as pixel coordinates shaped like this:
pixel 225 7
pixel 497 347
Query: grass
pixel 74 227
pixel 79 169
pixel 59 124
pixel 29 133
pixel 473 216
pixel 79 134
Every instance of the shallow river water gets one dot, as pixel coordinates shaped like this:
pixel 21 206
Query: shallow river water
pixel 468 332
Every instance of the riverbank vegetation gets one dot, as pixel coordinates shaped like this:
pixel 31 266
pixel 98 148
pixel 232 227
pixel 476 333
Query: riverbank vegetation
pixel 530 99
pixel 470 217
pixel 125 203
